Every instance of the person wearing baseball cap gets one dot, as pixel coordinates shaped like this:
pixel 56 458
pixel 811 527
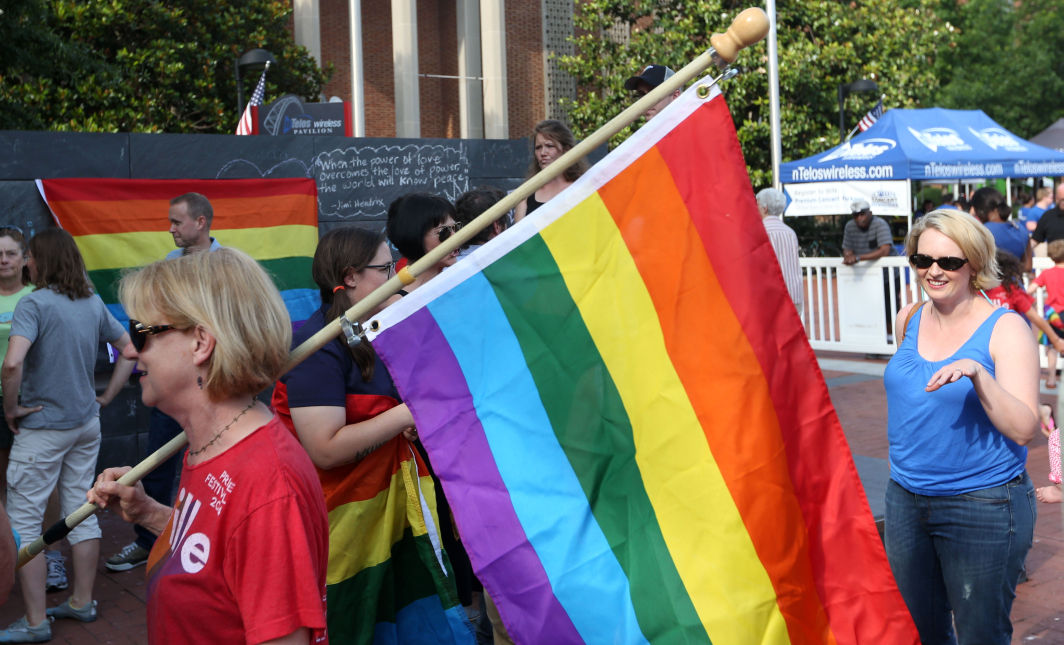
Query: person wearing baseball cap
pixel 865 237
pixel 651 77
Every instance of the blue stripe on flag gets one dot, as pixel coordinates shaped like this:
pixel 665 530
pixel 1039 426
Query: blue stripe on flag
pixel 575 554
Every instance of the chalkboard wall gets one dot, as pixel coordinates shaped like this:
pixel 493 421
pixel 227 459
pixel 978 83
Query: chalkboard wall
pixel 356 178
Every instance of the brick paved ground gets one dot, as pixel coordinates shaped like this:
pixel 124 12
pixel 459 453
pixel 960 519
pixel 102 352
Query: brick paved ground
pixel 121 597
pixel 857 392
pixel 1037 611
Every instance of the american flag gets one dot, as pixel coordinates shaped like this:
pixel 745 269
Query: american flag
pixel 246 126
pixel 872 116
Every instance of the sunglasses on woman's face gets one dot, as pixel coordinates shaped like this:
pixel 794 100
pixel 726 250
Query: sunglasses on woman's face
pixel 445 231
pixel 946 262
pixel 139 332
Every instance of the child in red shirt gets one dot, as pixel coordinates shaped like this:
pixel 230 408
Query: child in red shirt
pixel 1052 280
pixel 1010 294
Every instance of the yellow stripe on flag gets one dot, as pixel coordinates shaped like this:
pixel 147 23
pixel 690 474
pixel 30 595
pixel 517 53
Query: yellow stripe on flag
pixel 121 250
pixel 731 591
pixel 374 525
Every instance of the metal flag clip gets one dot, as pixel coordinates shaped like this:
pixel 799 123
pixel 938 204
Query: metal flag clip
pixel 730 73
pixel 353 331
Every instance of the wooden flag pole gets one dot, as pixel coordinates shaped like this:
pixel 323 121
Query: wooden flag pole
pixel 749 27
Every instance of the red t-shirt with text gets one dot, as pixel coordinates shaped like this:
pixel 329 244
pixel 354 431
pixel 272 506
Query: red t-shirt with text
pixel 244 555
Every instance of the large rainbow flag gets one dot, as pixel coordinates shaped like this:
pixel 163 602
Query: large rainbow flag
pixel 121 224
pixel 628 421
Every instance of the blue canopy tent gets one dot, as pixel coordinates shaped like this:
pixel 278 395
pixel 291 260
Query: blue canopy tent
pixel 905 145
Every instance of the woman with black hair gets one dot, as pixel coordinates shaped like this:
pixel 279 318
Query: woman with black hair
pixel 418 223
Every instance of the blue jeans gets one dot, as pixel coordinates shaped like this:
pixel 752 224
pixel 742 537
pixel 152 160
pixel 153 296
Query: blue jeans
pixel 960 553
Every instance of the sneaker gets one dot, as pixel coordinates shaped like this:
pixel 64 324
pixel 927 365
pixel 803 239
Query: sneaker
pixel 130 557
pixel 21 631
pixel 57 577
pixel 86 614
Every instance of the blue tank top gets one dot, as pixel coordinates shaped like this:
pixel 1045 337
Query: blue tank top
pixel 942 442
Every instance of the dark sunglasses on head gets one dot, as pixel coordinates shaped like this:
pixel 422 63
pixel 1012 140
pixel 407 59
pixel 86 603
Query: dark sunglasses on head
pixel 139 332
pixel 946 262
pixel 446 230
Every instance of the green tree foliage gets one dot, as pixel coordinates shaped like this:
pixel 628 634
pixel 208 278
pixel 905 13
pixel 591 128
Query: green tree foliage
pixel 141 65
pixel 1007 62
pixel 821 44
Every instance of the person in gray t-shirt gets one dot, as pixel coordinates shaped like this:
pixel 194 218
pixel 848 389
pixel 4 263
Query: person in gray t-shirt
pixel 865 237
pixel 55 335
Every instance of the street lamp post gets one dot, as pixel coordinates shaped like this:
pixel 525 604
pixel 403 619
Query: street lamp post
pixel 249 61
pixel 863 85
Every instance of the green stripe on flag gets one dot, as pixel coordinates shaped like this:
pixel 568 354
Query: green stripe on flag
pixel 287 273
pixel 589 419
pixel 376 594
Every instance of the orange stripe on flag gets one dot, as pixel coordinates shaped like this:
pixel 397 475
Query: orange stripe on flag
pixel 150 216
pixel 723 379
pixel 853 578
pixel 82 189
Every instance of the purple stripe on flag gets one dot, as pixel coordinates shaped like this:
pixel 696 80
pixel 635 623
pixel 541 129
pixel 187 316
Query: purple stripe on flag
pixel 479 498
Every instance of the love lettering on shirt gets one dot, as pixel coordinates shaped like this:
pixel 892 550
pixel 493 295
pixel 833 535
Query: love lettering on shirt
pixel 195 548
pixel 221 486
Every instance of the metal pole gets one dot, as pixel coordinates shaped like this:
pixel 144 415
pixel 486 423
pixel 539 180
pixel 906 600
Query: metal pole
pixel 842 112
pixel 358 100
pixel 774 95
pixel 239 89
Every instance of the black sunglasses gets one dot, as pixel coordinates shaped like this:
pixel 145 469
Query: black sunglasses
pixel 139 332
pixel 946 262
pixel 446 230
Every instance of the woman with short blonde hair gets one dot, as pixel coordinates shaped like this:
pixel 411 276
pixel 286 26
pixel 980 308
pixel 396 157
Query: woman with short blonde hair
pixel 253 333
pixel 243 553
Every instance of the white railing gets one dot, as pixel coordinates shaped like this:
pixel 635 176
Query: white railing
pixel 852 308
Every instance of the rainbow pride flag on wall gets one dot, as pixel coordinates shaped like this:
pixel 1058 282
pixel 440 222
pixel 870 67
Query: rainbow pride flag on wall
pixel 121 224
pixel 628 421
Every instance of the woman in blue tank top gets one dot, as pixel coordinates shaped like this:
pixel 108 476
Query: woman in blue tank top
pixel 962 394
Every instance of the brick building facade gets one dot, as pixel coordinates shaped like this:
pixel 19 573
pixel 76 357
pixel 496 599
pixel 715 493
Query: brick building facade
pixel 533 84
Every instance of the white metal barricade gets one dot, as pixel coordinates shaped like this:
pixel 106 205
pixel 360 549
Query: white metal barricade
pixel 852 308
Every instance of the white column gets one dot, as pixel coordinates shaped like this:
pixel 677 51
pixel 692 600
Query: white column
pixel 308 27
pixel 493 41
pixel 404 59
pixel 358 99
pixel 470 94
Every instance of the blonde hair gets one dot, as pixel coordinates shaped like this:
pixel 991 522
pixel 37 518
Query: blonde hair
pixel 227 293
pixel 975 240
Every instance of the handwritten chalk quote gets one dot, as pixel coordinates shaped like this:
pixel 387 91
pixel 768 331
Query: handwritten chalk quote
pixel 360 181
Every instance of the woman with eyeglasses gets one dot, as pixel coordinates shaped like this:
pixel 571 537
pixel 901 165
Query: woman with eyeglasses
pixel 550 139
pixel 962 394
pixel 418 223
pixel 344 408
pixel 51 357
pixel 242 555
